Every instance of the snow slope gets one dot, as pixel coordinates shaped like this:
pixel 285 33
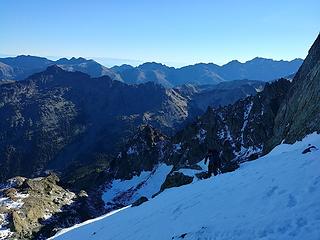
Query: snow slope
pixel 274 197
pixel 146 184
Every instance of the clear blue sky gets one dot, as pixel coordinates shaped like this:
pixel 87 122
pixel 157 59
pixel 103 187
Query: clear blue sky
pixel 176 32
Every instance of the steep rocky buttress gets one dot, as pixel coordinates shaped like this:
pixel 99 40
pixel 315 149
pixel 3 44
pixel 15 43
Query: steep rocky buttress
pixel 300 111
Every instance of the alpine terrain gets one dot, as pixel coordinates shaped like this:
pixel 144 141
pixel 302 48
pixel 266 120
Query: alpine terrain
pixel 274 197
pixel 161 143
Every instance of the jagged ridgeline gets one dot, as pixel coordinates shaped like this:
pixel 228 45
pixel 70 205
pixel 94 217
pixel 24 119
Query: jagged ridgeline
pixel 56 118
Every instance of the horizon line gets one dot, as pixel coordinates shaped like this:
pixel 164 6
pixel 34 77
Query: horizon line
pixel 136 63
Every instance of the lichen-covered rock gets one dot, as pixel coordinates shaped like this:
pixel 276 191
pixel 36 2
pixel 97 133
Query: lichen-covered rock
pixel 26 204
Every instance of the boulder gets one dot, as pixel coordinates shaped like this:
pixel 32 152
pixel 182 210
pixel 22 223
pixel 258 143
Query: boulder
pixel 139 201
pixel 176 179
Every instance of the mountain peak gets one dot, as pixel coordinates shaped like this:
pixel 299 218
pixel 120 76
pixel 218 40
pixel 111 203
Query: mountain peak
pixel 152 65
pixel 72 60
pixel 53 69
pixel 233 63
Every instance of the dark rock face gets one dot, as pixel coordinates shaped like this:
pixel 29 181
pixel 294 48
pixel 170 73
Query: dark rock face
pixel 176 179
pixel 300 113
pixel 141 153
pixel 139 201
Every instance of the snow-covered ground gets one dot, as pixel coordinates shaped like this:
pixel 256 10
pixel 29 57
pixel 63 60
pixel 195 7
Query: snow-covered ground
pixel 274 197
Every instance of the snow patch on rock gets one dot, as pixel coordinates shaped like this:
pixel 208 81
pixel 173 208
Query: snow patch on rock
pixel 146 184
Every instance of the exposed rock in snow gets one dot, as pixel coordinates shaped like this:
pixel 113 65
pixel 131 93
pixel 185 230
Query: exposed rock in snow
pixel 26 203
pixel 245 120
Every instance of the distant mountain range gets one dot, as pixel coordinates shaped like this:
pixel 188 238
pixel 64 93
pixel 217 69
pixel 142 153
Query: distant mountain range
pixel 20 67
pixel 208 73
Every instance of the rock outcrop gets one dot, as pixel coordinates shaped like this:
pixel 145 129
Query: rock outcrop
pixel 176 179
pixel 240 130
pixel 37 208
pixel 27 203
pixel 300 112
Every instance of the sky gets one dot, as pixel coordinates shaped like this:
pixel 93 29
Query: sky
pixel 174 32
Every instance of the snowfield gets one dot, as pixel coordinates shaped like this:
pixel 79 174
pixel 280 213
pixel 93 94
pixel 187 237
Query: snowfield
pixel 274 197
pixel 146 184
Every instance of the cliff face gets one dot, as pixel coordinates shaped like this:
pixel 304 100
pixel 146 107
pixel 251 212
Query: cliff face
pixel 299 113
pixel 240 130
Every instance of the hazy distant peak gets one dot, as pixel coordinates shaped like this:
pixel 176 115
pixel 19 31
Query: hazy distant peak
pixel 72 60
pixel 122 68
pixel 154 66
pixel 233 62
pixel 263 60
